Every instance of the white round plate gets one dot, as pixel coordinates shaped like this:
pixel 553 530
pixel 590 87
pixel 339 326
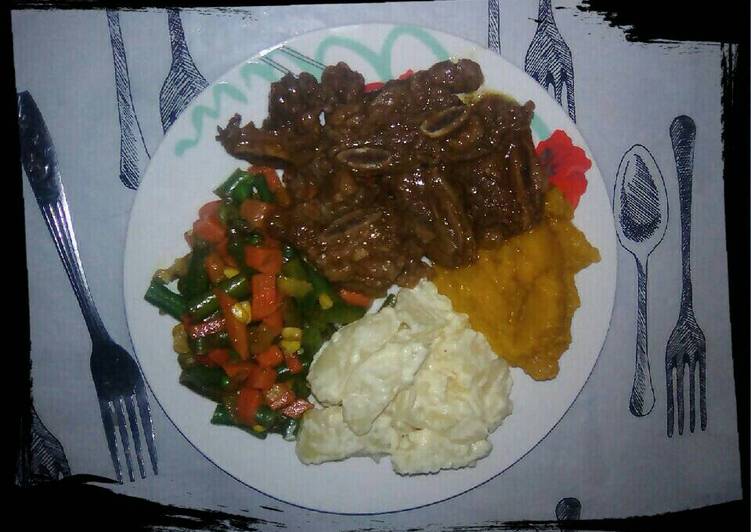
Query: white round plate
pixel 190 163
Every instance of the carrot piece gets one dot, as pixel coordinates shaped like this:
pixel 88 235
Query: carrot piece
pixel 209 210
pixel 248 401
pixel 235 369
pixel 255 212
pixel 214 267
pixel 270 358
pixel 269 174
pixel 261 378
pixel 238 333
pixel 275 322
pixel 210 229
pixel 264 260
pixel 219 356
pixel 355 298
pixel 293 363
pixel 265 297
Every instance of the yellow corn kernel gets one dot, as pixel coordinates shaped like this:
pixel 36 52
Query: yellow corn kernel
pixel 241 311
pixel 258 428
pixel 290 346
pixel 180 339
pixel 230 272
pixel 292 333
pixel 325 301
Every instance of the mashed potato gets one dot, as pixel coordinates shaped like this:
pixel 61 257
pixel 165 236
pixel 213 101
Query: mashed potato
pixel 413 382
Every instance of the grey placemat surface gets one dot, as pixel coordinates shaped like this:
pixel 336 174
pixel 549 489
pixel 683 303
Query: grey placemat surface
pixel 614 463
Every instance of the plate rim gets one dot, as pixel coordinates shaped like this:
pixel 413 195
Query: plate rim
pixel 163 145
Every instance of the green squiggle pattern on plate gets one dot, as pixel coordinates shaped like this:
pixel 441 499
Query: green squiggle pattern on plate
pixel 261 70
pixel 381 61
pixel 539 127
pixel 200 111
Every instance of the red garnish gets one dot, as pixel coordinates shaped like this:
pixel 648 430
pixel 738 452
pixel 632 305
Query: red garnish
pixel 565 165
pixel 374 86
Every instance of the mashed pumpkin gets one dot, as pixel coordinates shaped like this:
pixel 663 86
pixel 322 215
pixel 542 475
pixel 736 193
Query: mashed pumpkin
pixel 522 295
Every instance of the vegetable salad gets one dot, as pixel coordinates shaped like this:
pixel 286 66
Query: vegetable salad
pixel 251 311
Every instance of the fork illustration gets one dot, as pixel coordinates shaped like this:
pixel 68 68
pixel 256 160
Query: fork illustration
pixel 134 155
pixel 117 379
pixel 549 59
pixel 687 345
pixel 494 26
pixel 184 81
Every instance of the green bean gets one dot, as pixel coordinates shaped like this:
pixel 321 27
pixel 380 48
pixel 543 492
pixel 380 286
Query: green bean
pixel 300 387
pixel 320 284
pixel 231 183
pixel 165 299
pixel 197 280
pixel 342 313
pixel 199 346
pixel 222 416
pixel 186 360
pixel 241 185
pixel 228 213
pixel 262 191
pixel 291 314
pixel 266 417
pixel 312 339
pixel 204 381
pixel 243 191
pixel 220 339
pixel 205 304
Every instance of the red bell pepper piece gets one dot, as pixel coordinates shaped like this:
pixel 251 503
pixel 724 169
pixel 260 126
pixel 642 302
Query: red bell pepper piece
pixel 296 408
pixel 279 396
pixel 206 328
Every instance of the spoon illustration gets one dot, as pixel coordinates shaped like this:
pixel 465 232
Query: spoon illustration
pixel 641 210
